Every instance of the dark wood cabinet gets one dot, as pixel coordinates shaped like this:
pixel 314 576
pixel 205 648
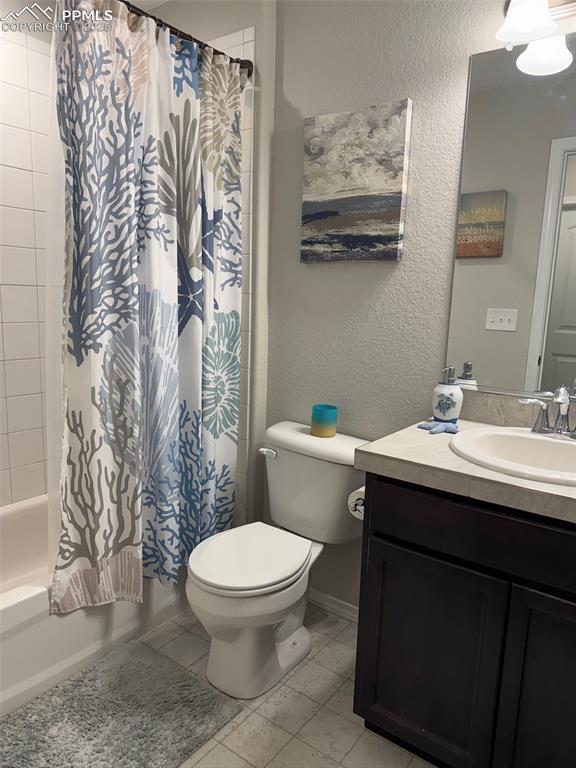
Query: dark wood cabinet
pixel 467 630
pixel 537 719
pixel 434 648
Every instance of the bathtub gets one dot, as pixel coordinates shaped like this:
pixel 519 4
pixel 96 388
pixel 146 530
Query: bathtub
pixel 38 650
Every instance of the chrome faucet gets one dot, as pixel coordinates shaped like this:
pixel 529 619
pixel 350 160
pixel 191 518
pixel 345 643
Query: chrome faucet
pixel 562 398
pixel 542 423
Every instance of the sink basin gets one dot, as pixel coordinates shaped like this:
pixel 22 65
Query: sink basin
pixel 519 452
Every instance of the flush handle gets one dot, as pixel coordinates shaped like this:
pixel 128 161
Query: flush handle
pixel 270 453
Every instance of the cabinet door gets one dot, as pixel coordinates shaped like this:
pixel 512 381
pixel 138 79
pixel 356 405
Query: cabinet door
pixel 430 645
pixel 537 717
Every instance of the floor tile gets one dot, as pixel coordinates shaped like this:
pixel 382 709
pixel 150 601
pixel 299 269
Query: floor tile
pixel 199 754
pixel 372 751
pixel 288 709
pixel 338 658
pixel 297 754
pixel 342 703
pixel 316 682
pixel 185 649
pixel 199 666
pixel 186 620
pixel 255 703
pixel 348 635
pixel 257 740
pixel 294 671
pixel 227 729
pixel 222 757
pixel 199 630
pixel 310 609
pixel 318 642
pixel 331 734
pixel 326 623
pixel 161 635
pixel 417 762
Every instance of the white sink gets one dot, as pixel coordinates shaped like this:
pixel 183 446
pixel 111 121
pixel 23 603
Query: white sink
pixel 519 452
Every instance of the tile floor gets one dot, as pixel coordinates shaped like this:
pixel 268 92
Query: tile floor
pixel 306 721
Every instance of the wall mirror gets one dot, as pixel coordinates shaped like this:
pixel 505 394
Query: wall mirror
pixel 513 307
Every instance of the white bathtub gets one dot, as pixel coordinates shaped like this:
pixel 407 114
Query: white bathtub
pixel 38 650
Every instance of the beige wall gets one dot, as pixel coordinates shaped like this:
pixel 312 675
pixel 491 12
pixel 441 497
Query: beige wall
pixel 369 337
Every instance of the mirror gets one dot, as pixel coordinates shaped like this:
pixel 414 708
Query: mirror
pixel 513 307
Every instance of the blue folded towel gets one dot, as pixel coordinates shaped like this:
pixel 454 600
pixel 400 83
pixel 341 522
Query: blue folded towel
pixel 437 427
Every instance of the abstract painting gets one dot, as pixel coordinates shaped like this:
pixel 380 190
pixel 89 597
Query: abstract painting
pixel 355 174
pixel 481 220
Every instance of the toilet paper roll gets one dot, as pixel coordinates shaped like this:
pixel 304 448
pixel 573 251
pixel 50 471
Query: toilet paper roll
pixel 356 502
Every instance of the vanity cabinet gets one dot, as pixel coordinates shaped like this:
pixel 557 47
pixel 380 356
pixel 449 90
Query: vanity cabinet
pixel 467 630
pixel 537 718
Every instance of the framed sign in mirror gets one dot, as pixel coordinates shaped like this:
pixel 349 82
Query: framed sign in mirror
pixel 513 310
pixel 561 8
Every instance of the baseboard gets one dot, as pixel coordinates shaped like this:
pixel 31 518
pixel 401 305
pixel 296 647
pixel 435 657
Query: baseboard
pixel 334 605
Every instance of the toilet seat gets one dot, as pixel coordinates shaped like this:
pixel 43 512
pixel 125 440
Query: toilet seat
pixel 254 559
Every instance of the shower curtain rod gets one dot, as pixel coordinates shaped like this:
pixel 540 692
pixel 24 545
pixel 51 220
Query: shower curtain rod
pixel 244 63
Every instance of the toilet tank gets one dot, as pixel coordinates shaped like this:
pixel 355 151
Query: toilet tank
pixel 309 480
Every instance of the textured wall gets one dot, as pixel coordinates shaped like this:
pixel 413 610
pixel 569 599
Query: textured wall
pixel 369 337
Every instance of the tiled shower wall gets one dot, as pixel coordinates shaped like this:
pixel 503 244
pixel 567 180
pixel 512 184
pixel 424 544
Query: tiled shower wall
pixel 24 70
pixel 241 45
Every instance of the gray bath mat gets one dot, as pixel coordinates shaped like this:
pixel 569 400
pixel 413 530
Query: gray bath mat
pixel 132 709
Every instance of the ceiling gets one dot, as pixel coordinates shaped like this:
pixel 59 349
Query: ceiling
pixel 147 5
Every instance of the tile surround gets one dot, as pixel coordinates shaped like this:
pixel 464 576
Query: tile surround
pixel 285 728
pixel 24 69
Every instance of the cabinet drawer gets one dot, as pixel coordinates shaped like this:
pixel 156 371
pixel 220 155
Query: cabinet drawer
pixel 486 535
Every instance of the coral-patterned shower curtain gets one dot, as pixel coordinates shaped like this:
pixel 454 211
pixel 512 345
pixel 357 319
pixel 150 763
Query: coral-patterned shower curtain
pixel 151 348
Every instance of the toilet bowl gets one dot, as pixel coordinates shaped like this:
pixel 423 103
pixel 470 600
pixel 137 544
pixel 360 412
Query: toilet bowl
pixel 248 585
pixel 253 609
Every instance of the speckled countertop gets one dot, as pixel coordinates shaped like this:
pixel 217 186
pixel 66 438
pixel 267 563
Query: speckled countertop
pixel 415 456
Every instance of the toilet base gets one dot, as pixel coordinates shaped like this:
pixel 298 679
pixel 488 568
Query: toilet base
pixel 246 663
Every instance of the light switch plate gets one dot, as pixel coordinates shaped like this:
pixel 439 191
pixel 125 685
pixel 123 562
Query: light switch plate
pixel 501 319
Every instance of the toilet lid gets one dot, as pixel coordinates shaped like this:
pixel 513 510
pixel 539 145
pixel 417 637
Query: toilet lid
pixel 249 557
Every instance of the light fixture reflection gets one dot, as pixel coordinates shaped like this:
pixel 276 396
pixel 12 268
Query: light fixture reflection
pixel 526 20
pixel 545 57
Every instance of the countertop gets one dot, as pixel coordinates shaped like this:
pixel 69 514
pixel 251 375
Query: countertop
pixel 416 456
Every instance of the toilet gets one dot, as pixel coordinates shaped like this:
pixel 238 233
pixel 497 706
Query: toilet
pixel 248 585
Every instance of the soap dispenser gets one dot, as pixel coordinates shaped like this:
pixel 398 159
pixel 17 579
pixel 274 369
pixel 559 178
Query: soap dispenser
pixel 447 397
pixel 466 378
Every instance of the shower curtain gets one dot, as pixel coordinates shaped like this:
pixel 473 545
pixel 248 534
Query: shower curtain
pixel 150 129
